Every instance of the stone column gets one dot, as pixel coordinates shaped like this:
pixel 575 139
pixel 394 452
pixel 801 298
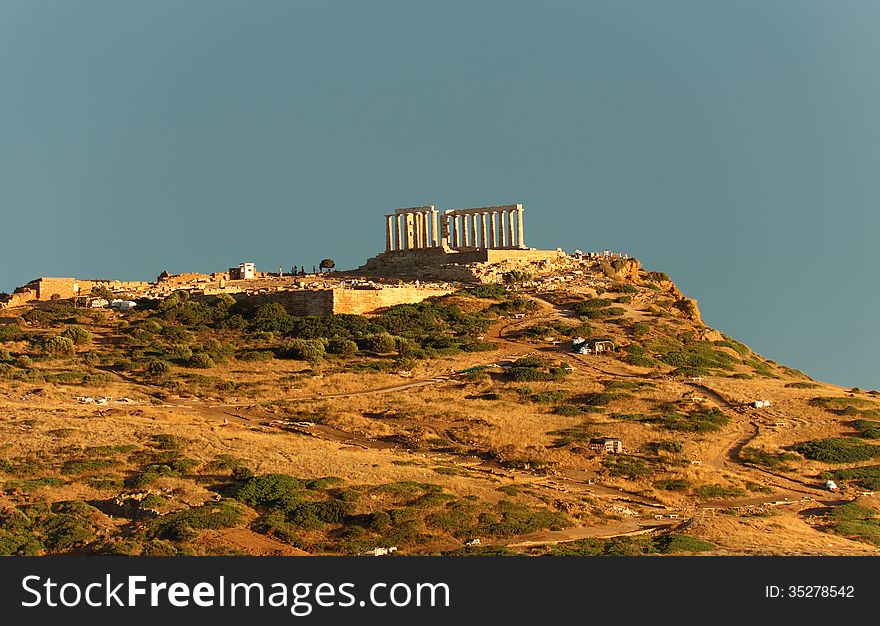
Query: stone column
pixel 389 234
pixel 520 240
pixel 473 218
pixel 492 231
pixel 398 233
pixel 511 242
pixel 435 231
pixel 426 233
pixel 465 231
pixel 482 229
pixel 410 231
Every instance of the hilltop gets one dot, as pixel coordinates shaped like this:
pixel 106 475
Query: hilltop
pixel 200 424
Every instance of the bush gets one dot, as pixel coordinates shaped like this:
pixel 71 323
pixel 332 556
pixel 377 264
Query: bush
pixel 342 346
pixel 867 476
pixel 801 384
pixel 179 352
pixel 640 329
pixel 58 347
pixel 79 335
pixel 759 456
pixel 673 543
pixel 673 484
pixel 630 467
pixel 181 525
pixel 840 404
pixel 277 491
pixel 256 355
pixel 837 450
pixel 202 361
pixel 491 292
pixel 625 288
pixel 311 350
pixel 5 355
pixel 380 343
pixel 867 429
pixel 718 492
pixel 703 422
pixel 157 368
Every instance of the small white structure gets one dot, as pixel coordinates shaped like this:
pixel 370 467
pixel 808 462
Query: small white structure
pixel 245 271
pixel 472 542
pixel 123 305
pixel 830 485
pixel 760 404
pixel 98 303
pixel 380 551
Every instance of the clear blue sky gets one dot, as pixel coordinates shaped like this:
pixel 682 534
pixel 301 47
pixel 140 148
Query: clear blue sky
pixel 734 145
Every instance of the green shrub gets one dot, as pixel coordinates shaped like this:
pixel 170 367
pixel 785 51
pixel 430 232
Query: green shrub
pixel 640 329
pixel 492 292
pixel 840 403
pixel 625 288
pixel 342 346
pixel 760 456
pixel 673 484
pixel 201 360
pixel 579 434
pixel 256 355
pixel 674 543
pixel 631 467
pixel 380 343
pixel 278 491
pixel 867 429
pixel 549 397
pixel 702 422
pixel 77 334
pixel 855 522
pixel 718 492
pixel 801 384
pixel 58 347
pixel 157 368
pixel 181 525
pixel 837 450
pixel 867 476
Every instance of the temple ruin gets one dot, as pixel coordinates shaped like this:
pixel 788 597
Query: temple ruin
pixel 425 243
pixel 493 227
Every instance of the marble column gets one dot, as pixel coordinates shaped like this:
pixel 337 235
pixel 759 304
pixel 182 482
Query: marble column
pixel 492 231
pixel 410 231
pixel 465 232
pixel 520 240
pixel 389 234
pixel 435 231
pixel 482 229
pixel 511 242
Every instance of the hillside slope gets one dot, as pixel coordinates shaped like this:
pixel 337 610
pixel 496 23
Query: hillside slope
pixel 426 427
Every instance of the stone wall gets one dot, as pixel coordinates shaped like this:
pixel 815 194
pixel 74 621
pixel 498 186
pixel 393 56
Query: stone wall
pixel 360 301
pixel 336 301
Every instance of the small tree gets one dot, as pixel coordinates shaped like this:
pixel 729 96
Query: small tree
pixel 79 335
pixel 102 292
pixel 327 264
pixel 516 277
pixel 58 347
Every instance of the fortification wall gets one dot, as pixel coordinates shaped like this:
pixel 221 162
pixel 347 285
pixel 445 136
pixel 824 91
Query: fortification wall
pixel 336 301
pixel 305 302
pixel 360 301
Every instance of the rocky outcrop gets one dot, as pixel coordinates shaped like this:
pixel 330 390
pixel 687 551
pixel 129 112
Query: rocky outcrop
pixel 623 270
